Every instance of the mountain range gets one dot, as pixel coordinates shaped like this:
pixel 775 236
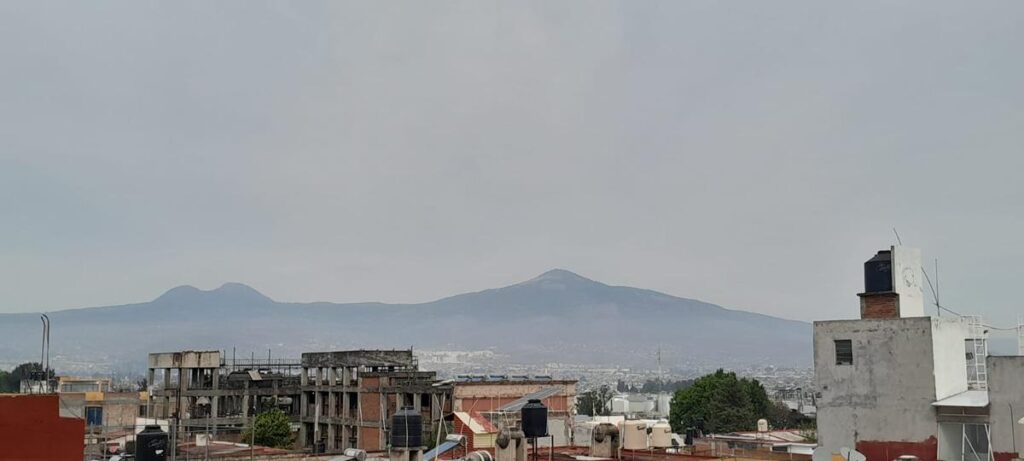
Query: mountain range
pixel 558 317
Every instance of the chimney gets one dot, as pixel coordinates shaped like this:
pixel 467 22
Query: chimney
pixel 879 301
pixel 892 286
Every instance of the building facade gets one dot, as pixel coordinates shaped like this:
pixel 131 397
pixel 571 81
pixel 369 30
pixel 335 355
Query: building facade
pixel 896 383
pixel 339 400
pixel 349 397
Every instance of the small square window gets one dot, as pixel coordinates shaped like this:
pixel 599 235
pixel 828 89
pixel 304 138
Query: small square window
pixel 844 352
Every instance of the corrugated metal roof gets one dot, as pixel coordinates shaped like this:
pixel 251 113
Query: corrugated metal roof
pixel 475 422
pixel 445 447
pixel 542 394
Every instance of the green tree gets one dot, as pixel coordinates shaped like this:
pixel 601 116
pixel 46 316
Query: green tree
pixel 11 382
pixel 5 377
pixel 272 429
pixel 720 402
pixel 595 402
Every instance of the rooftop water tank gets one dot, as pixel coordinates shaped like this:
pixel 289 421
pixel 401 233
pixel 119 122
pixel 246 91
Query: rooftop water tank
pixel 634 435
pixel 535 419
pixel 762 425
pixel 878 273
pixel 407 428
pixel 151 444
pixel 355 453
pixel 479 455
pixel 661 435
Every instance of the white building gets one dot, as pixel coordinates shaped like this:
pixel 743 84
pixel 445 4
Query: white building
pixel 896 382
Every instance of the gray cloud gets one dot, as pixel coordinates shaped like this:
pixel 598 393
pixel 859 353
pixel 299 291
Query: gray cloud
pixel 749 155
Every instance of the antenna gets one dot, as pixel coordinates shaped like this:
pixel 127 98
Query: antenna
pixel 897 236
pixel 661 377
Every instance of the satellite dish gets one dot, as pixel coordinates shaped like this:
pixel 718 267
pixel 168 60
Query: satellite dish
pixel 845 452
pixel 821 454
pixel 856 456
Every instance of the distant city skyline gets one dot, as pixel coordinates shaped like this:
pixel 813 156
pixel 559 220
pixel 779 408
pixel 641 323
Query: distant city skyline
pixel 749 157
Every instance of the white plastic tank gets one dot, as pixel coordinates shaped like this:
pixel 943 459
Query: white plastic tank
pixel 762 425
pixel 357 454
pixel 661 434
pixel 634 435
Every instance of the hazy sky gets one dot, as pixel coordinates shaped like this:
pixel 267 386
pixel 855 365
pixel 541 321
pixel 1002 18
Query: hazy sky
pixel 750 154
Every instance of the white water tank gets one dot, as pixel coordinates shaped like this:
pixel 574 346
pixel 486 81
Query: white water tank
pixel 634 435
pixel 762 425
pixel 661 434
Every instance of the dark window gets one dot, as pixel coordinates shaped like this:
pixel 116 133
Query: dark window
pixel 844 352
pixel 93 416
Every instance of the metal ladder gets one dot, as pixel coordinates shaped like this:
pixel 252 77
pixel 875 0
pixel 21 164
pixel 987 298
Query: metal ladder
pixel 977 373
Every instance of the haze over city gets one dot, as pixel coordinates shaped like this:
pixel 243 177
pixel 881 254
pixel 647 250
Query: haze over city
pixel 340 152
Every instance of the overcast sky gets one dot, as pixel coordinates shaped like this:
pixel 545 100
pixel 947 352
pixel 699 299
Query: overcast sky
pixel 750 154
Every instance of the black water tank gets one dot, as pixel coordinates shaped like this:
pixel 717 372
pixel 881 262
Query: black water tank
pixel 407 428
pixel 535 419
pixel 878 273
pixel 151 444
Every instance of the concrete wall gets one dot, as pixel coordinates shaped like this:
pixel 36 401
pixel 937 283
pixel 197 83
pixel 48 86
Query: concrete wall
pixel 120 409
pixel 948 336
pixel 1006 405
pixel 881 404
pixel 186 359
pixel 368 358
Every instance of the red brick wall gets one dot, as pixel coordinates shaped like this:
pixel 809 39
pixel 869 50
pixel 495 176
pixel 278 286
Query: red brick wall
pixel 370 406
pixel 369 438
pixel 880 306
pixel 926 450
pixel 461 428
pixel 31 429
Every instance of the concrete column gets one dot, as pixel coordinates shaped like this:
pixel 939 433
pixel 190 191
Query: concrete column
pixel 150 376
pixel 435 409
pixel 344 405
pixel 167 378
pixel 245 401
pixel 304 377
pixel 304 404
pixel 332 376
pixel 215 401
pixel 331 432
pixel 332 404
pixel 319 376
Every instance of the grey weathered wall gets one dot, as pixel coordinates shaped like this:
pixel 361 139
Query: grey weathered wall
pixel 886 395
pixel 1006 404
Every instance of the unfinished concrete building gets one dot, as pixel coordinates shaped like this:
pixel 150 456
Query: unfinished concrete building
pixel 349 397
pixel 342 399
pixel 200 388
